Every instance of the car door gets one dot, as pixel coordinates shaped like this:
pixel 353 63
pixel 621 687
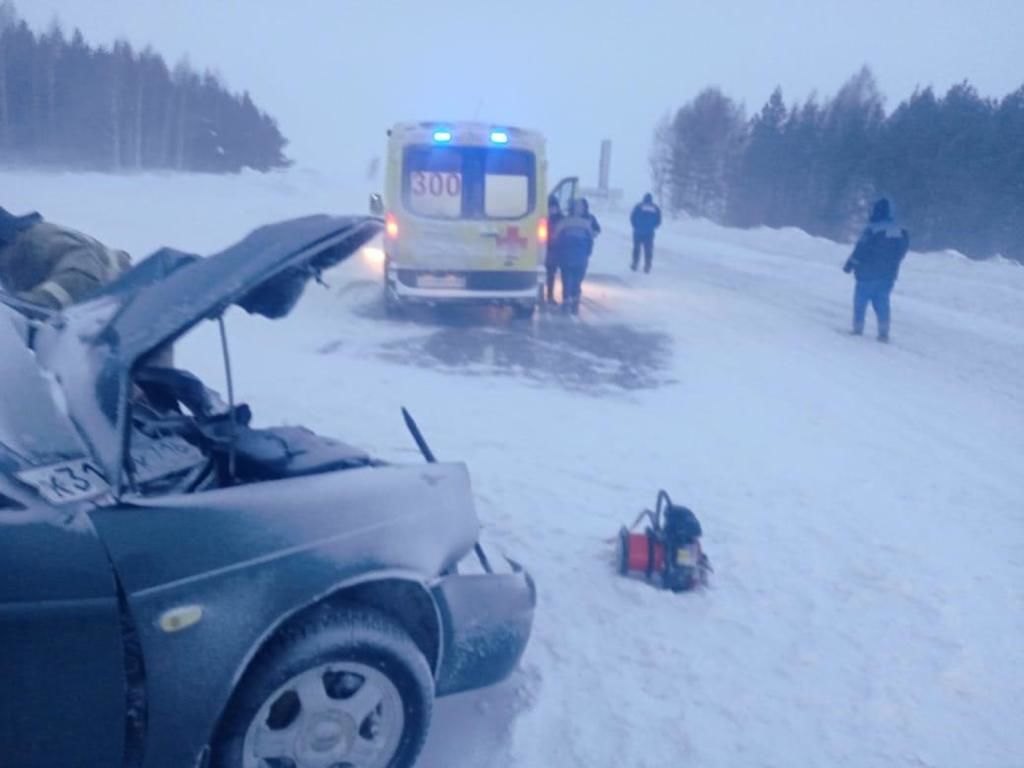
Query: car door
pixel 565 192
pixel 62 680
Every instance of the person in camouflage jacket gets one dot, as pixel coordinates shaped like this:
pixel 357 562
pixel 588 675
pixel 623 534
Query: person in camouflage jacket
pixel 51 265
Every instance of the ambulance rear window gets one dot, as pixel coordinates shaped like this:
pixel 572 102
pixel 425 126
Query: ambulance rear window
pixel 469 182
pixel 508 179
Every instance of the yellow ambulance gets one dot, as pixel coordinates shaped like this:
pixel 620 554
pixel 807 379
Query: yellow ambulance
pixel 465 209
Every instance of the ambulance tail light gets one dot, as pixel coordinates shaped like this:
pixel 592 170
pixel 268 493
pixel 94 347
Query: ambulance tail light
pixel 542 230
pixel 391 226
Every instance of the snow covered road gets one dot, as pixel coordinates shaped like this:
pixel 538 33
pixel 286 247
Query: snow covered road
pixel 863 504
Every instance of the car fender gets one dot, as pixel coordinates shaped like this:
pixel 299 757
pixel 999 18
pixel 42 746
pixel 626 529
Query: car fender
pixel 359 589
pixel 210 576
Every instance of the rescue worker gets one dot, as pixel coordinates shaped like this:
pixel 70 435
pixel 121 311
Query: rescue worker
pixel 555 215
pixel 50 265
pixel 645 219
pixel 594 226
pixel 574 242
pixel 875 263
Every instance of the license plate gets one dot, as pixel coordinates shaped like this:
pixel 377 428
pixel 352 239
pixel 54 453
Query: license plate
pixel 80 479
pixel 67 482
pixel 440 281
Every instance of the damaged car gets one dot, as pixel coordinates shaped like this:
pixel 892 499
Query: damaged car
pixel 182 588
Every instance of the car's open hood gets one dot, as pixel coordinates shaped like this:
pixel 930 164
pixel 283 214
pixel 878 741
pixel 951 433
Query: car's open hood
pixel 92 347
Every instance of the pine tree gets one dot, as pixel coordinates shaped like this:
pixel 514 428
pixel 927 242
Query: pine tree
pixel 850 134
pixel 756 197
pixel 660 158
pixel 708 136
pixel 1008 181
pixel 64 102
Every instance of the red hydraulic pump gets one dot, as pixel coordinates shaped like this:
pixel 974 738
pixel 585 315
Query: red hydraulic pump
pixel 669 547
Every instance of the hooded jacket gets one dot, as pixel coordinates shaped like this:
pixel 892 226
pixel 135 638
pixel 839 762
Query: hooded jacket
pixel 881 248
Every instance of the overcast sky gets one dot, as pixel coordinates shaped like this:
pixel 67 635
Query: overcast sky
pixel 337 73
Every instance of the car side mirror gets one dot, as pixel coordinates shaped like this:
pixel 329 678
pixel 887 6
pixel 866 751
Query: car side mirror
pixel 376 204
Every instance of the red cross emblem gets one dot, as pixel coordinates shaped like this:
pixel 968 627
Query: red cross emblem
pixel 512 238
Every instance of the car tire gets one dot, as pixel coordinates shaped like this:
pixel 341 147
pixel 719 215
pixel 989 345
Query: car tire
pixel 304 696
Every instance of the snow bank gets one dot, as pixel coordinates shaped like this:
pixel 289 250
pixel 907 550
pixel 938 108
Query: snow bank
pixel 862 504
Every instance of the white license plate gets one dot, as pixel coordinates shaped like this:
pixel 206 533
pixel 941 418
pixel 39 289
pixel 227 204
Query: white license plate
pixel 81 479
pixel 440 281
pixel 66 482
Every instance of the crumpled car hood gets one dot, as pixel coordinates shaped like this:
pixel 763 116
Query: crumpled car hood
pixel 92 347
pixel 265 274
pixel 33 428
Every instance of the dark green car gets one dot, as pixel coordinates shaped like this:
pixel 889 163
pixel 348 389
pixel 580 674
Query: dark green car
pixel 179 588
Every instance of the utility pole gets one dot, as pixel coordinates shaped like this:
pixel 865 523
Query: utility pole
pixel 604 169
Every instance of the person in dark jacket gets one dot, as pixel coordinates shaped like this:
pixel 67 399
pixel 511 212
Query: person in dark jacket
pixel 875 263
pixel 574 242
pixel 555 215
pixel 645 218
pixel 52 265
pixel 595 227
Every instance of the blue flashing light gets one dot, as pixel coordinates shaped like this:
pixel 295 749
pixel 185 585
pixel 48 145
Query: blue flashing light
pixel 499 137
pixel 442 137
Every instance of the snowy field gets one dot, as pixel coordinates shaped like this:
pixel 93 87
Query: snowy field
pixel 863 504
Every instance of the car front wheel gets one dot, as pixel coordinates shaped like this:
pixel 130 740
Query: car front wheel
pixel 343 687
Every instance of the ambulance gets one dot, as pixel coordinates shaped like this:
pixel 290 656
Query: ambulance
pixel 465 210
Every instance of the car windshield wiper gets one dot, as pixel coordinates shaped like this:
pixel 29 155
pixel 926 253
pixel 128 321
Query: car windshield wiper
pixel 428 454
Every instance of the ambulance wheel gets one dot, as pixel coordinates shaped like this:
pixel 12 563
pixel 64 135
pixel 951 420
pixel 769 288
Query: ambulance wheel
pixel 524 311
pixel 392 304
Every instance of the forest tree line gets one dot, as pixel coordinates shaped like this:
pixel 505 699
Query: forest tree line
pixel 953 164
pixel 68 105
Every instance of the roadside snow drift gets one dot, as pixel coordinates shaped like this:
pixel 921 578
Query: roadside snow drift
pixel 863 504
